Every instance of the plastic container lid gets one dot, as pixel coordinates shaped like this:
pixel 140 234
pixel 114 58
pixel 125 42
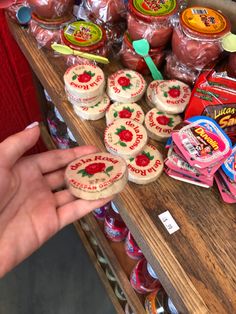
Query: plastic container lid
pixel 204 22
pixel 151 271
pixel 84 36
pixel 149 11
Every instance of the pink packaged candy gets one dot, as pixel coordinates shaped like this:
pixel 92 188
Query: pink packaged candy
pixel 229 166
pixel 202 142
pixel 224 191
pixel 188 179
pixel 231 186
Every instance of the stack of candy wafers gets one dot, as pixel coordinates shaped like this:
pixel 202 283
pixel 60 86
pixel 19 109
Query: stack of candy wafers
pixel 196 151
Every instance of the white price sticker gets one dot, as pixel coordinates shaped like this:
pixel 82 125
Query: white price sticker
pixel 169 222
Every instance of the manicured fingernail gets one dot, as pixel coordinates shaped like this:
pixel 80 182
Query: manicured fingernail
pixel 32 125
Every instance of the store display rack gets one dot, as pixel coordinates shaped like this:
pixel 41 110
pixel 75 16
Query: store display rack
pixel 196 264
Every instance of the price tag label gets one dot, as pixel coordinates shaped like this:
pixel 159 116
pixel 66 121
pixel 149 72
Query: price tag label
pixel 169 222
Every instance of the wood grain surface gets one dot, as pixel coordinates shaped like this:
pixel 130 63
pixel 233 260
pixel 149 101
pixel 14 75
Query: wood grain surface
pixel 196 265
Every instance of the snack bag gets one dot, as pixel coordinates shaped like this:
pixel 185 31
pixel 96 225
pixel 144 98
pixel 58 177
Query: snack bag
pixel 214 95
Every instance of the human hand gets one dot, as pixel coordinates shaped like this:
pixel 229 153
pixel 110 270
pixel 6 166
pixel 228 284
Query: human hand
pixel 30 211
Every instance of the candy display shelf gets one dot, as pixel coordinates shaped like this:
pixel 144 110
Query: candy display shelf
pixel 196 264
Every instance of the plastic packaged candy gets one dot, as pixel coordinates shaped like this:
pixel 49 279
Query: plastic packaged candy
pixel 151 20
pixel 131 60
pixel 114 226
pixel 171 307
pixel 86 37
pixel 231 66
pixel 214 96
pixel 156 302
pixel 203 143
pixel 131 247
pixel 107 11
pixel 12 7
pixel 196 42
pixel 48 32
pixel 128 309
pixel 179 71
pixel 110 275
pixel 100 212
pixel 51 9
pixel 143 278
pixel 120 294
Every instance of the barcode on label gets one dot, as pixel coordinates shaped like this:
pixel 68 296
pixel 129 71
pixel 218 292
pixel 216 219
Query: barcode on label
pixel 70 30
pixel 184 165
pixel 199 11
pixel 169 222
pixel 190 148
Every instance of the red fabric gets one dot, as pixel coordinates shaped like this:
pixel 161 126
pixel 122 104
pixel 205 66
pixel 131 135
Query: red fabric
pixel 18 103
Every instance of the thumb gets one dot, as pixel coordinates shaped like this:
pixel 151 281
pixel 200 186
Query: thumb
pixel 13 147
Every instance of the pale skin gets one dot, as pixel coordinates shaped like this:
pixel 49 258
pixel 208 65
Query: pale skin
pixel 31 211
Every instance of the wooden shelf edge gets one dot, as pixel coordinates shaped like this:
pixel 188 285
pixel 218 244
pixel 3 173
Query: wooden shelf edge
pixel 99 269
pixel 114 264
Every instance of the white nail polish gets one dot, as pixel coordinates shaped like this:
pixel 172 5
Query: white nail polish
pixel 32 125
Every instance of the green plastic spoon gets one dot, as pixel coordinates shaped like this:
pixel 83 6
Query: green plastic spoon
pixel 142 47
pixel 65 50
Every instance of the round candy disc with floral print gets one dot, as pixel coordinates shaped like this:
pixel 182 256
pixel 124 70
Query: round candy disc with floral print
pixel 124 111
pixel 171 96
pixel 84 81
pixel 146 167
pixel 95 112
pixel 125 137
pixel 96 176
pixel 159 125
pixel 126 86
pixel 151 91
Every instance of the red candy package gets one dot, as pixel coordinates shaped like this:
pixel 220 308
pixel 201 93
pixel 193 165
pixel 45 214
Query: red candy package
pixel 214 95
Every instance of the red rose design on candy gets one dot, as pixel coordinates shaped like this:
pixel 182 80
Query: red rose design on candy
pixel 124 81
pixel 95 168
pixel 125 136
pixel 174 91
pixel 142 160
pixel 164 120
pixel 85 77
pixel 125 114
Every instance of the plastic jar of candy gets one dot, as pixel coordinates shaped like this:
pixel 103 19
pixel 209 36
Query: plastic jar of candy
pixel 131 247
pixel 86 37
pixel 107 11
pixel 151 20
pixel 130 59
pixel 231 66
pixel 114 227
pixel 51 9
pixel 48 32
pixel 143 278
pixel 197 40
pixel 179 71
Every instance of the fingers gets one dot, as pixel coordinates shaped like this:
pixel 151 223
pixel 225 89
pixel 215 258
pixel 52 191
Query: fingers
pixel 77 209
pixel 63 197
pixel 56 159
pixel 55 180
pixel 12 148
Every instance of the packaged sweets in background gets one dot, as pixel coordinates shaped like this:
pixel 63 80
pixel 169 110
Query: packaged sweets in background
pixel 143 278
pixel 100 212
pixel 197 40
pixel 214 96
pixel 110 275
pixel 120 294
pixel 231 66
pixel 156 302
pixel 151 20
pixel 171 307
pixel 73 142
pixel 114 227
pixel 131 60
pixel 131 247
pixel 101 258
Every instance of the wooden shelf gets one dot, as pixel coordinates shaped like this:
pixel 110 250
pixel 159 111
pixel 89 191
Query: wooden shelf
pixel 196 265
